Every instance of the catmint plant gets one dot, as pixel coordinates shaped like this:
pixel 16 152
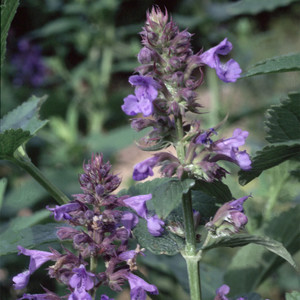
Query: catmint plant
pixel 99 228
pixel 99 223
pixel 165 85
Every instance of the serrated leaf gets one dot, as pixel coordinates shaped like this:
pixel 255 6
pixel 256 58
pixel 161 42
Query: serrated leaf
pixel 283 123
pixel 240 240
pixel 11 140
pixel 283 120
pixel 285 229
pixel 168 195
pixel 292 296
pixel 8 11
pixel 25 116
pixel 268 157
pixel 278 64
pixel 27 238
pixel 3 183
pixel 216 189
pixel 168 243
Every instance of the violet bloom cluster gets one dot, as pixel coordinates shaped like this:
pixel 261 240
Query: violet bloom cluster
pixel 29 65
pixel 98 229
pixel 222 291
pixel 165 86
pixel 229 218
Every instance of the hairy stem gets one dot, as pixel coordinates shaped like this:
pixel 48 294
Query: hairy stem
pixel 179 147
pixel 190 252
pixel 21 159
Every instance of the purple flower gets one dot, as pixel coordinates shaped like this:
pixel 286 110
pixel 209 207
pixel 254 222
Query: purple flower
pixel 138 203
pixel 229 149
pixel 80 294
pixel 145 93
pixel 139 287
pixel 37 258
pixel 229 218
pixel 62 212
pixel 228 72
pixel 155 225
pixel 144 169
pixel 129 220
pixel 221 292
pixel 48 296
pixel 29 65
pixel 21 280
pixel 82 278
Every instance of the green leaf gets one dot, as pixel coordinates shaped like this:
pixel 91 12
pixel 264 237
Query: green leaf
pixel 282 123
pixel 278 64
pixel 11 140
pixel 246 7
pixel 27 238
pixel 216 189
pixel 23 222
pixel 167 243
pixel 285 229
pixel 240 240
pixel 292 296
pixel 283 120
pixel 3 183
pixel 268 157
pixel 168 195
pixel 25 116
pixel 8 10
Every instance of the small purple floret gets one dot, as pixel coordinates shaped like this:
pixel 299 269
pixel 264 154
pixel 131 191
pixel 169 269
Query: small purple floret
pixel 221 292
pixel 155 225
pixel 145 92
pixel 82 278
pixel 144 169
pixel 138 203
pixel 62 212
pixel 21 280
pixel 228 72
pixel 139 287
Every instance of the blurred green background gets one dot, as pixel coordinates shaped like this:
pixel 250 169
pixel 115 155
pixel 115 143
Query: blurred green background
pixel 80 53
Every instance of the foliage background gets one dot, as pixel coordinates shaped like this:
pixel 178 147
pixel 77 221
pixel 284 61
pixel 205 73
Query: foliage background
pixel 89 50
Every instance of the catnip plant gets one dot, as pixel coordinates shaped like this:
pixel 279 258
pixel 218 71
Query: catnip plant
pixel 102 224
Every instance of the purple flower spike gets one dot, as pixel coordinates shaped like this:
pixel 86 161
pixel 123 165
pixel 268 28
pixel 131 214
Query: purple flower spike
pixel 37 258
pixel 155 225
pixel 138 287
pixel 48 296
pixel 82 279
pixel 144 169
pixel 221 292
pixel 228 72
pixel 21 280
pixel 138 203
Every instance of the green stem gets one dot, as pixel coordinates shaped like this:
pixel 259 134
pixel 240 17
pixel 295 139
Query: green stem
pixel 179 146
pixel 22 160
pixel 93 269
pixel 213 84
pixel 189 253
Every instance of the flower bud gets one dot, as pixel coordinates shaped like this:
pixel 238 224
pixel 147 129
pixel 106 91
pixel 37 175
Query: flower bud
pixel 145 55
pixel 229 218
